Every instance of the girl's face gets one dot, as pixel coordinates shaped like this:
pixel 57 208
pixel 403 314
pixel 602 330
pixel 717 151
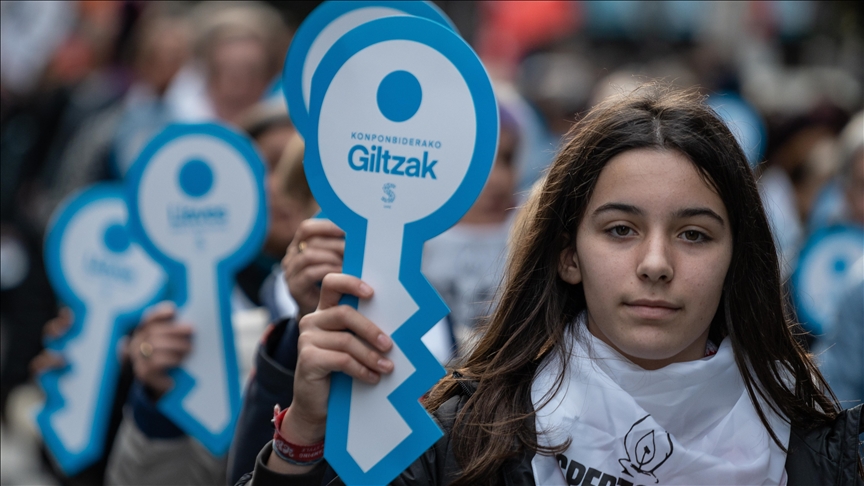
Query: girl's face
pixel 652 251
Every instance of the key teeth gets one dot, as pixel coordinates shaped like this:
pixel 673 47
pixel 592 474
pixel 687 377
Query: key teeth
pixel 424 430
pixel 171 405
pixel 70 462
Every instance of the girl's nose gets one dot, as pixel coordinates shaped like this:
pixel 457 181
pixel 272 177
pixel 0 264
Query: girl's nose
pixel 656 264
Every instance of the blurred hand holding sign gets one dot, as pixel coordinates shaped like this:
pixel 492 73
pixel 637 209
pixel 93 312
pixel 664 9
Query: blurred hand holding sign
pixel 107 280
pixel 196 201
pixel 401 136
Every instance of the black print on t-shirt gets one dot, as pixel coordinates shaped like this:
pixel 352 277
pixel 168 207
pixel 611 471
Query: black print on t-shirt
pixel 578 474
pixel 646 450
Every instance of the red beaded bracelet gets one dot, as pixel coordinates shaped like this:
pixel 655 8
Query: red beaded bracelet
pixel 298 455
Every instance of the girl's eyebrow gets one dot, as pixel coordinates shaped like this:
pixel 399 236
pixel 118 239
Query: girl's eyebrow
pixel 691 212
pixel 680 214
pixel 624 208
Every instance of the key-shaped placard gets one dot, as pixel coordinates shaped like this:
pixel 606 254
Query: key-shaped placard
pixel 196 201
pixel 404 128
pixel 323 27
pixel 823 273
pixel 107 280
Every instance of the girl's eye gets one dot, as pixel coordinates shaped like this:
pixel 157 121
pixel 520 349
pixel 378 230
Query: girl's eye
pixel 693 235
pixel 621 230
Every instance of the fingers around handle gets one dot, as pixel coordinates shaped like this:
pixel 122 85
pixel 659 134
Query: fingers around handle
pixel 325 347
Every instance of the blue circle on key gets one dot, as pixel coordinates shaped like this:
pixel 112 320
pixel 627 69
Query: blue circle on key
pixel 196 178
pixel 840 265
pixel 399 96
pixel 116 238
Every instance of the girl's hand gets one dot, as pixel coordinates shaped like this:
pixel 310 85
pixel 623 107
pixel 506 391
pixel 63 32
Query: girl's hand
pixel 158 345
pixel 325 347
pixel 316 250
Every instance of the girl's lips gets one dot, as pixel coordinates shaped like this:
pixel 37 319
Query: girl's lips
pixel 652 309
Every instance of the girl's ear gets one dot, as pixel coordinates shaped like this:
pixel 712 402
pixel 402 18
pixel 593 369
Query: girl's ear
pixel 568 265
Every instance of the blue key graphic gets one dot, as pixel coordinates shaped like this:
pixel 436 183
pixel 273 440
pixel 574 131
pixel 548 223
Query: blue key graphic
pixel 107 280
pixel 196 197
pixel 403 133
pixel 830 260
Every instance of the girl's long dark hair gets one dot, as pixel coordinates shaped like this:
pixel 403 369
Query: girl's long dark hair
pixel 536 307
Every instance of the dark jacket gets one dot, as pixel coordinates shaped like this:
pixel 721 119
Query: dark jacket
pixel 820 456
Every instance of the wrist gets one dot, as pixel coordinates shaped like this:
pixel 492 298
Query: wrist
pixel 299 430
pixel 288 456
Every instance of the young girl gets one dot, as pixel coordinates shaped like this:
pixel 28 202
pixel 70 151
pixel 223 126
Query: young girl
pixel 640 335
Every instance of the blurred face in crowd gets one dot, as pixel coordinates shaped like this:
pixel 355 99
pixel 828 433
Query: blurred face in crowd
pixel 272 142
pixel 497 197
pixel 238 75
pixel 164 49
pixel 652 252
pixel 855 188
pixel 286 211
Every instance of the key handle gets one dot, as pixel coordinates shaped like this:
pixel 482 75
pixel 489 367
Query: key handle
pixel 410 79
pixel 403 134
pixel 197 205
pixel 321 29
pixel 107 279
pixel 829 261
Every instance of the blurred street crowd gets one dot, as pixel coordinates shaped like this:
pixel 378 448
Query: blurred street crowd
pixel 85 84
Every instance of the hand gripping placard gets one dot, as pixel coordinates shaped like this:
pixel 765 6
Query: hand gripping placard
pixel 107 280
pixel 196 202
pixel 404 128
pixel 323 27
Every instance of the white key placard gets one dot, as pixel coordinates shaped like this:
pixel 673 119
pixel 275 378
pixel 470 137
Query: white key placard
pixel 107 280
pixel 196 201
pixel 322 28
pixel 403 133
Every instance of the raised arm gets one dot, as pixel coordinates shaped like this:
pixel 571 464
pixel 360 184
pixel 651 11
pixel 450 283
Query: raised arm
pixel 325 347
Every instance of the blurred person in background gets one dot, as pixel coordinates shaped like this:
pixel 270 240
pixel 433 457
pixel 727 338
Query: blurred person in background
pixel 162 45
pixel 841 352
pixel 289 202
pixel 841 199
pixel 465 264
pixel 799 162
pixel 60 71
pixel 239 49
pixel 57 141
pixel 100 125
pixel 221 57
pixel 558 86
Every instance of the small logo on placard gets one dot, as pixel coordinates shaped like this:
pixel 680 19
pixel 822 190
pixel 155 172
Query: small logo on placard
pixel 181 217
pixel 388 189
pixel 196 179
pixel 117 241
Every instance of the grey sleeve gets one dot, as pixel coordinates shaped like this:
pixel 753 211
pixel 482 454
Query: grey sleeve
pixel 139 460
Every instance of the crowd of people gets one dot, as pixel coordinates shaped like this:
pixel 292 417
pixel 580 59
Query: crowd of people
pixel 649 160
